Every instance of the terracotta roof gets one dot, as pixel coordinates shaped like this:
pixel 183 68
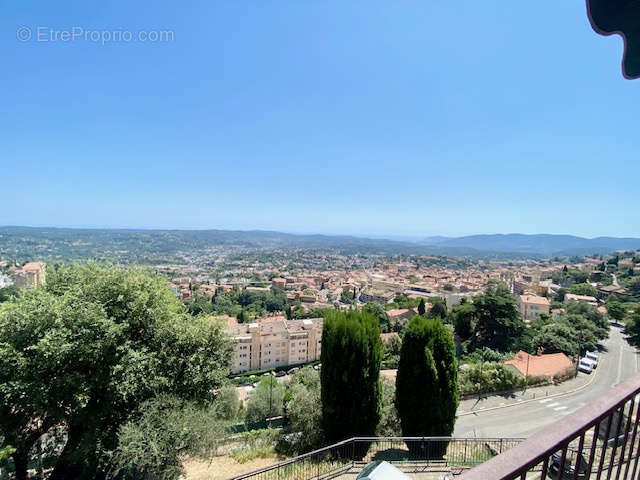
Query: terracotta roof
pixel 534 299
pixel 540 365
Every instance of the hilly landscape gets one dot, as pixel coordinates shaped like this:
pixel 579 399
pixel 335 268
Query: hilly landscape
pixel 539 244
pixel 156 246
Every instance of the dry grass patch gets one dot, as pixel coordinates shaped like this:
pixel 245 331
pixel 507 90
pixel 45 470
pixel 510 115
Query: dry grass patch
pixel 223 467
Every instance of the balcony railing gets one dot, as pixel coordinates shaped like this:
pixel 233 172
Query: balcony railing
pixel 410 454
pixel 599 441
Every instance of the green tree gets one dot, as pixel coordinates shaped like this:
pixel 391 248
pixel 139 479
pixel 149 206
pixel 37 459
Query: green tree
pixel 198 306
pixel 616 310
pixel 275 301
pixel 463 318
pixel 153 446
pixel 498 324
pixel 583 289
pixel 427 380
pixel 350 375
pixel 438 307
pixel 389 425
pixel 591 314
pixel 560 294
pixel 265 401
pixel 9 292
pixel 632 329
pixel 5 452
pixel 391 352
pixel 422 307
pixel 304 410
pixel 378 312
pixel 88 350
pixel 557 337
pixel 227 403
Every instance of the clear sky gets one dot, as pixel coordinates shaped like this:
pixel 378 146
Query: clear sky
pixel 332 116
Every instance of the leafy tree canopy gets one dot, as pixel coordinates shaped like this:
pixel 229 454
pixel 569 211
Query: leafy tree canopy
pixel 584 289
pixel 87 351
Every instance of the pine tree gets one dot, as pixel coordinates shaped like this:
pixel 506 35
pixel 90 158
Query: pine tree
pixel 427 384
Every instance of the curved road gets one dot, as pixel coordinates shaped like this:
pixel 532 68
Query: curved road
pixel 617 363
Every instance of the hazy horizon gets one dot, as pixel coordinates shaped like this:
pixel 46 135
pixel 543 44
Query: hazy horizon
pixel 391 236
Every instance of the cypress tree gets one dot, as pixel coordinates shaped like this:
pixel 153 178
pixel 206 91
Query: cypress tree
pixel 421 307
pixel 350 375
pixel 438 307
pixel 427 384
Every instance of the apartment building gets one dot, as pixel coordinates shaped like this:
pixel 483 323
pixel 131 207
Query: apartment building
pixel 377 296
pixel 32 273
pixel 276 343
pixel 532 306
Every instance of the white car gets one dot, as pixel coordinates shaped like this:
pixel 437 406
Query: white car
pixel 593 356
pixel 585 365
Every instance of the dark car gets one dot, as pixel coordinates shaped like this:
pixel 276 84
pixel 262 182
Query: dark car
pixel 569 471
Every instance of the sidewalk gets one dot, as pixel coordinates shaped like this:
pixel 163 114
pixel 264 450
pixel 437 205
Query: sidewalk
pixel 490 401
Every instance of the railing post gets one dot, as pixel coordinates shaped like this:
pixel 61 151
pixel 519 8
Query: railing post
pixel 353 452
pixel 465 450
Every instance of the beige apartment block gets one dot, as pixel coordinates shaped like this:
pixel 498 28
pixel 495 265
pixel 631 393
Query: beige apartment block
pixel 532 306
pixel 276 343
pixel 32 273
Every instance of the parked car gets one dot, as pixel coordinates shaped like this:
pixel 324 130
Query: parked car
pixel 281 373
pixel 292 371
pixel 585 365
pixel 568 472
pixel 593 356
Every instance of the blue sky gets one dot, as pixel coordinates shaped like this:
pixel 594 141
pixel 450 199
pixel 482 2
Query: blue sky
pixel 361 117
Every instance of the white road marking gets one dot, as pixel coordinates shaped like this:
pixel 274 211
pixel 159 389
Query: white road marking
pixel 554 404
pixel 551 399
pixel 619 366
pixel 557 409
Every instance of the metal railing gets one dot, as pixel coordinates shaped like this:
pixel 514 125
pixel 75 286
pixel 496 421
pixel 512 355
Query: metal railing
pixel 410 454
pixel 598 441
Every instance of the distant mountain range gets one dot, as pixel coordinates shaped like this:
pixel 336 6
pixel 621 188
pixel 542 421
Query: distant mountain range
pixel 151 246
pixel 539 244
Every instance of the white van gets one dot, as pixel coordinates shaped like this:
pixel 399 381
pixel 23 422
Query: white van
pixel 585 365
pixel 593 356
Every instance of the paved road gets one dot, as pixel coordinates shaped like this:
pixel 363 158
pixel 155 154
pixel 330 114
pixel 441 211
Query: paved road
pixel 616 364
pixel 615 280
